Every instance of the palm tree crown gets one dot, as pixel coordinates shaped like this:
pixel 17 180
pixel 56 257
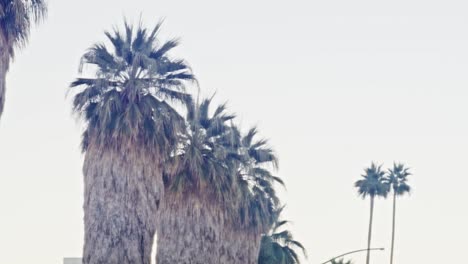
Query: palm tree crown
pixel 372 182
pixel 200 162
pixel 16 17
pixel 127 97
pixel 258 200
pixel 397 179
pixel 279 247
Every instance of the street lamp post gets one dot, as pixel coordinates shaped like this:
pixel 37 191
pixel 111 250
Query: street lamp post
pixel 352 252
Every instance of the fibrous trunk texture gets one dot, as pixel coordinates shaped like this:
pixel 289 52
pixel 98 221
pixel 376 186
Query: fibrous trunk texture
pixel 122 193
pixel 4 63
pixel 195 230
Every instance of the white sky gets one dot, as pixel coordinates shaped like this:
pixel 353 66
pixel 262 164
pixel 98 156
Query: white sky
pixel 334 84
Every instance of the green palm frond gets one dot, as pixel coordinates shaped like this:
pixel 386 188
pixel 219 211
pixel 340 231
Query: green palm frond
pixel 279 247
pixel 258 199
pixel 16 19
pixel 129 93
pixel 202 156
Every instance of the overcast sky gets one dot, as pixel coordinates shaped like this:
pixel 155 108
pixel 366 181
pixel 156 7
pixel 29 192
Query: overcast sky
pixel 333 84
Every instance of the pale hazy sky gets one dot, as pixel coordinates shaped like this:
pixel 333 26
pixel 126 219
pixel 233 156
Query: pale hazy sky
pixel 333 84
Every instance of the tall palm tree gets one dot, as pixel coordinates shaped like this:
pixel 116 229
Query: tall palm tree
pixel 397 180
pixel 199 191
pixel 279 247
pixel 16 17
pixel 130 132
pixel 373 185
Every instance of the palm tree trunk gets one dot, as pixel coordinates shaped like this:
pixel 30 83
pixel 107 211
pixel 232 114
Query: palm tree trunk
pixel 196 230
pixel 122 194
pixel 4 63
pixel 393 227
pixel 370 229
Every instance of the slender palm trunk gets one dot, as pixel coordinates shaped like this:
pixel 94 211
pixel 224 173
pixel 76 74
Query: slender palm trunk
pixel 196 230
pixel 393 227
pixel 4 63
pixel 122 193
pixel 370 229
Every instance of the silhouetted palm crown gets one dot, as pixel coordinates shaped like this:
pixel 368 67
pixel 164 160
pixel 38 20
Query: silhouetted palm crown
pixel 16 17
pixel 397 179
pixel 127 97
pixel 372 182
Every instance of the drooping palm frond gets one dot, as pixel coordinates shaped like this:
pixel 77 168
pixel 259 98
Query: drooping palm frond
pixel 279 247
pixel 16 19
pixel 134 79
pixel 372 182
pixel 201 161
pixel 252 160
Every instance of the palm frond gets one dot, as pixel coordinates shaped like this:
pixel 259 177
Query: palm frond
pixel 129 93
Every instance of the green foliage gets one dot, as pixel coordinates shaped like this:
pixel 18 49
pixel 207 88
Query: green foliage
pixel 397 179
pixel 258 200
pixel 341 261
pixel 16 18
pixel 373 182
pixel 279 247
pixel 127 99
pixel 201 161
pixel 216 160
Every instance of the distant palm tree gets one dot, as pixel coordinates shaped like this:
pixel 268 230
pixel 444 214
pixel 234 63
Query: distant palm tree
pixel 130 132
pixel 16 17
pixel 279 247
pixel 341 261
pixel 397 180
pixel 372 185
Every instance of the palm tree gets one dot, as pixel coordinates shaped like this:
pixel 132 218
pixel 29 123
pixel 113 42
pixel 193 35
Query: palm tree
pixel 199 191
pixel 372 184
pixel 16 17
pixel 258 202
pixel 397 180
pixel 279 247
pixel 130 132
pixel 341 261
pixel 210 206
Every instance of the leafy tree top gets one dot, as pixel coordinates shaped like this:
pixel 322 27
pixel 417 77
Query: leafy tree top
pixel 200 164
pixel 372 182
pixel 279 247
pixel 258 200
pixel 16 17
pixel 216 160
pixel 126 99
